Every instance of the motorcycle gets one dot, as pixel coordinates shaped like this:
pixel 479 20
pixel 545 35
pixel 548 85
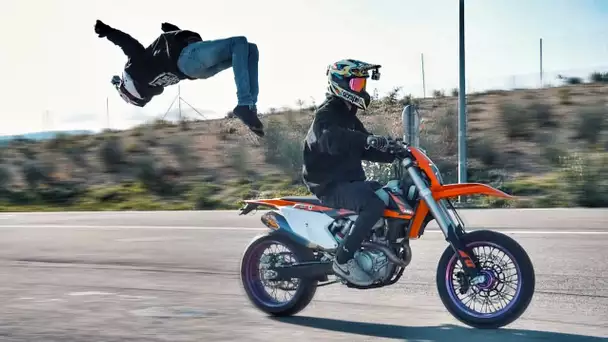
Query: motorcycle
pixel 474 267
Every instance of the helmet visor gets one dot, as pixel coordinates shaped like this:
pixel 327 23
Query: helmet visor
pixel 357 84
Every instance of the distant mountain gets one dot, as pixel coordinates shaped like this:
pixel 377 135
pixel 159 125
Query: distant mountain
pixel 46 135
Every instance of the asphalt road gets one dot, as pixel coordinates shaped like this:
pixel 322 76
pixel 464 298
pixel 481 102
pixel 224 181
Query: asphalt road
pixel 172 276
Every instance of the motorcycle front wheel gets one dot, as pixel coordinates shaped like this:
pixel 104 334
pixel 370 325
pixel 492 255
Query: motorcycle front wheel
pixel 508 287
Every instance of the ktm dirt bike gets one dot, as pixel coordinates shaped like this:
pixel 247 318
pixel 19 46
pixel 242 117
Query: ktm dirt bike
pixel 484 278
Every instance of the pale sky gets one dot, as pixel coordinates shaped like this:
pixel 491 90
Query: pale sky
pixel 53 61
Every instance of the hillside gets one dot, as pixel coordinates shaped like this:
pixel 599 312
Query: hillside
pixel 45 135
pixel 528 142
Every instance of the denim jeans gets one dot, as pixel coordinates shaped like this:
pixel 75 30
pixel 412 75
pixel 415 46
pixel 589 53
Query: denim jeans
pixel 207 58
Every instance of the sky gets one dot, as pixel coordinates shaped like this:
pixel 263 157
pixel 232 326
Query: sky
pixel 56 71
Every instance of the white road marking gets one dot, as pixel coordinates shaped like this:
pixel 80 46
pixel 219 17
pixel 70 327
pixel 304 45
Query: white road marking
pixel 433 231
pixel 90 293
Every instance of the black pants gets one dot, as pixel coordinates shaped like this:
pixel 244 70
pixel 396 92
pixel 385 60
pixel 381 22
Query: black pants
pixel 361 198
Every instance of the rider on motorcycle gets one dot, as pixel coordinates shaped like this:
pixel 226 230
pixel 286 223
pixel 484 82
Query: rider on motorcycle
pixel 336 144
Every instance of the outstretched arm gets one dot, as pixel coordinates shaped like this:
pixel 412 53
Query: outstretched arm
pixel 129 45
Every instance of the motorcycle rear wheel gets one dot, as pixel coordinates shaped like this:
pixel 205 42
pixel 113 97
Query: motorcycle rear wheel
pixel 253 284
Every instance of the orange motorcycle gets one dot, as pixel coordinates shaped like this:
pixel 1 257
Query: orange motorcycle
pixel 484 278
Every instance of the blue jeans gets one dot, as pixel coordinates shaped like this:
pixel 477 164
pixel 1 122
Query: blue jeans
pixel 207 58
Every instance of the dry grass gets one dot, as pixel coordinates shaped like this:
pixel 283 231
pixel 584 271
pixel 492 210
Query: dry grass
pixel 522 132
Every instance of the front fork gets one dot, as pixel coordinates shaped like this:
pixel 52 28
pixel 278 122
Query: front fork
pixel 450 229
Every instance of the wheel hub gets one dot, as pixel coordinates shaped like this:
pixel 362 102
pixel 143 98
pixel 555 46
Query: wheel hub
pixel 488 280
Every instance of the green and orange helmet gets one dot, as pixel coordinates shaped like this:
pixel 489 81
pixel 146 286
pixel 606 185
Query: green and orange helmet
pixel 347 79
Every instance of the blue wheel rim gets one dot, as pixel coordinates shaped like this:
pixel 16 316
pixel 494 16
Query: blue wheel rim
pixel 485 287
pixel 253 277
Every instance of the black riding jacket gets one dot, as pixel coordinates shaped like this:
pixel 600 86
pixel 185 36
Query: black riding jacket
pixel 335 146
pixel 154 67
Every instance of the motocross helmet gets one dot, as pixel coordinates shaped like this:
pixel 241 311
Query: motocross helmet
pixel 127 90
pixel 347 79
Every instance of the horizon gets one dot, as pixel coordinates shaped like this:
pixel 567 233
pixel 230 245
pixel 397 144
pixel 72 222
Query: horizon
pixel 58 64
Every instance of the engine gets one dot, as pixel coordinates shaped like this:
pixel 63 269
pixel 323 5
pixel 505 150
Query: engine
pixel 372 260
pixel 375 263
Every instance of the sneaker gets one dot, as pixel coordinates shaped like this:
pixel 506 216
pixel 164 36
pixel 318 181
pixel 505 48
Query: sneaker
pixel 249 116
pixel 352 272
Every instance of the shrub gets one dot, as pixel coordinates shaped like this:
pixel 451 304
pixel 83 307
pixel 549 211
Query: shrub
pixel 573 80
pixel 599 77
pixel 484 150
pixel 584 178
pixel 564 96
pixel 112 154
pixel 5 177
pixel 517 120
pixel 239 160
pixel 158 180
pixel 392 96
pixel 438 93
pixel 543 113
pixel 36 172
pixel 283 149
pixel 591 123
pixel 202 196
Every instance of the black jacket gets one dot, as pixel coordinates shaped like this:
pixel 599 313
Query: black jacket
pixel 154 67
pixel 335 146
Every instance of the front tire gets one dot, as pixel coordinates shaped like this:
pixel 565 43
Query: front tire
pixel 253 282
pixel 480 242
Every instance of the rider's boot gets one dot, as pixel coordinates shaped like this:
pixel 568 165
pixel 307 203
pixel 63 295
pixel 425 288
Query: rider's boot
pixel 249 116
pixel 352 272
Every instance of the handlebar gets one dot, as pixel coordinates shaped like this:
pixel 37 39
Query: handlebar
pixel 400 149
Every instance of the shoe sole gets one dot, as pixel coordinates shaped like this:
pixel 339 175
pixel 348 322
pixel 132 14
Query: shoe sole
pixel 257 128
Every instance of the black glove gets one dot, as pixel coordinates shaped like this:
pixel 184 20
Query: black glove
pixel 166 27
pixel 101 29
pixel 381 143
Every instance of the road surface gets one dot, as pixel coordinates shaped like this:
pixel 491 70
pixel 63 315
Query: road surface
pixel 172 276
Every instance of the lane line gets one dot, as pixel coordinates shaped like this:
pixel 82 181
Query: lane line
pixel 151 227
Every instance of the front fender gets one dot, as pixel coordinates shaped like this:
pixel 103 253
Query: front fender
pixel 467 189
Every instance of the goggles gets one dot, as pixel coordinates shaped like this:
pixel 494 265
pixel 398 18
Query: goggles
pixel 357 84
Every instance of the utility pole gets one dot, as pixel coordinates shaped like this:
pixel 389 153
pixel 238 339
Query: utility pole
pixel 541 64
pixel 107 113
pixel 462 109
pixel 423 81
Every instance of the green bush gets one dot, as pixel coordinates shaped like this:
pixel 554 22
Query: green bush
pixel 599 77
pixel 202 196
pixel 112 154
pixel 591 122
pixel 543 113
pixel 283 149
pixel 36 172
pixel 156 179
pixel 5 177
pixel 584 176
pixel 517 120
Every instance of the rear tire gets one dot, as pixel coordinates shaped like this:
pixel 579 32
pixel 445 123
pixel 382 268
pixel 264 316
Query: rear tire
pixel 524 290
pixel 251 277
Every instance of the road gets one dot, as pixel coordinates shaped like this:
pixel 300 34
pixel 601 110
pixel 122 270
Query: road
pixel 172 276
